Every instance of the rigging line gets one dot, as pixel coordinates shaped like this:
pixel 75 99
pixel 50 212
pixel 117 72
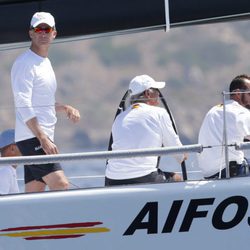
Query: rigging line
pixel 121 108
pixel 86 177
pixel 36 106
pixel 210 19
pixel 26 107
pixel 76 38
pixel 74 185
pixel 77 177
pixel 121 105
pixel 183 164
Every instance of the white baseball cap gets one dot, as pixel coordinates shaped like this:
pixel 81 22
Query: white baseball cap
pixel 7 137
pixel 143 82
pixel 42 17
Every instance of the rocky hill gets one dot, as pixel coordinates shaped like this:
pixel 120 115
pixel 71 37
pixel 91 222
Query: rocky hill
pixel 197 63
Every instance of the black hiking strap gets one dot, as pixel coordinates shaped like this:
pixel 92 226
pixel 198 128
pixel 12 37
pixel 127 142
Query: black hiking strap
pixel 119 110
pixel 183 164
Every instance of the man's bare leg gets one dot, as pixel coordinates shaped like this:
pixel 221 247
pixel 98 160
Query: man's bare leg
pixel 34 186
pixel 56 180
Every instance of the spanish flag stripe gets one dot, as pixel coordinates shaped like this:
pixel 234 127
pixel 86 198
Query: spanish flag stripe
pixel 69 225
pixel 58 232
pixel 54 237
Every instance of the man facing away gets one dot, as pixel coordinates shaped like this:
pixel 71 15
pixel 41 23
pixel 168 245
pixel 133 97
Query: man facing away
pixel 142 125
pixel 8 148
pixel 34 86
pixel 212 160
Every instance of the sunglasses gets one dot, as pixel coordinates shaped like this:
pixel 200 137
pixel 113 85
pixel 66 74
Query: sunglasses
pixel 47 30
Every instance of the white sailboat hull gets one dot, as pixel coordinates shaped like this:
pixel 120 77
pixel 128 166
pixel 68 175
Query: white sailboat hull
pixel 187 215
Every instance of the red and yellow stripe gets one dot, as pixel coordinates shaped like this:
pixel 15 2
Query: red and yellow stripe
pixel 58 231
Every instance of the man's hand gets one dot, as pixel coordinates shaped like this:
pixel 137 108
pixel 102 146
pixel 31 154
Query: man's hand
pixel 48 146
pixel 185 157
pixel 72 113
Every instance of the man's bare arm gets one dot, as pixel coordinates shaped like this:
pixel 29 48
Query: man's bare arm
pixel 71 113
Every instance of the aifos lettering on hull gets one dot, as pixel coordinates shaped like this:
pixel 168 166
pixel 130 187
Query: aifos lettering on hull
pixel 147 218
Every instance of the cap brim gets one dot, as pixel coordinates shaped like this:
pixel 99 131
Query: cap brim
pixel 158 85
pixel 42 21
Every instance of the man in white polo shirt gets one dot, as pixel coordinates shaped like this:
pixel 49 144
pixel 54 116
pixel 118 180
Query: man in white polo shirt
pixel 142 125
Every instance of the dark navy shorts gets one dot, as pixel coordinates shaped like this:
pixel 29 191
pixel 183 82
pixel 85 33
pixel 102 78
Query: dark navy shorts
pixel 154 177
pixel 35 171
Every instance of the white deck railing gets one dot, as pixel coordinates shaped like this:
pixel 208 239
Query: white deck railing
pixel 101 155
pixel 194 148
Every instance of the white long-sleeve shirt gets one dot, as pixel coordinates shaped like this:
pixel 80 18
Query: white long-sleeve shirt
pixel 211 160
pixel 34 85
pixel 140 126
